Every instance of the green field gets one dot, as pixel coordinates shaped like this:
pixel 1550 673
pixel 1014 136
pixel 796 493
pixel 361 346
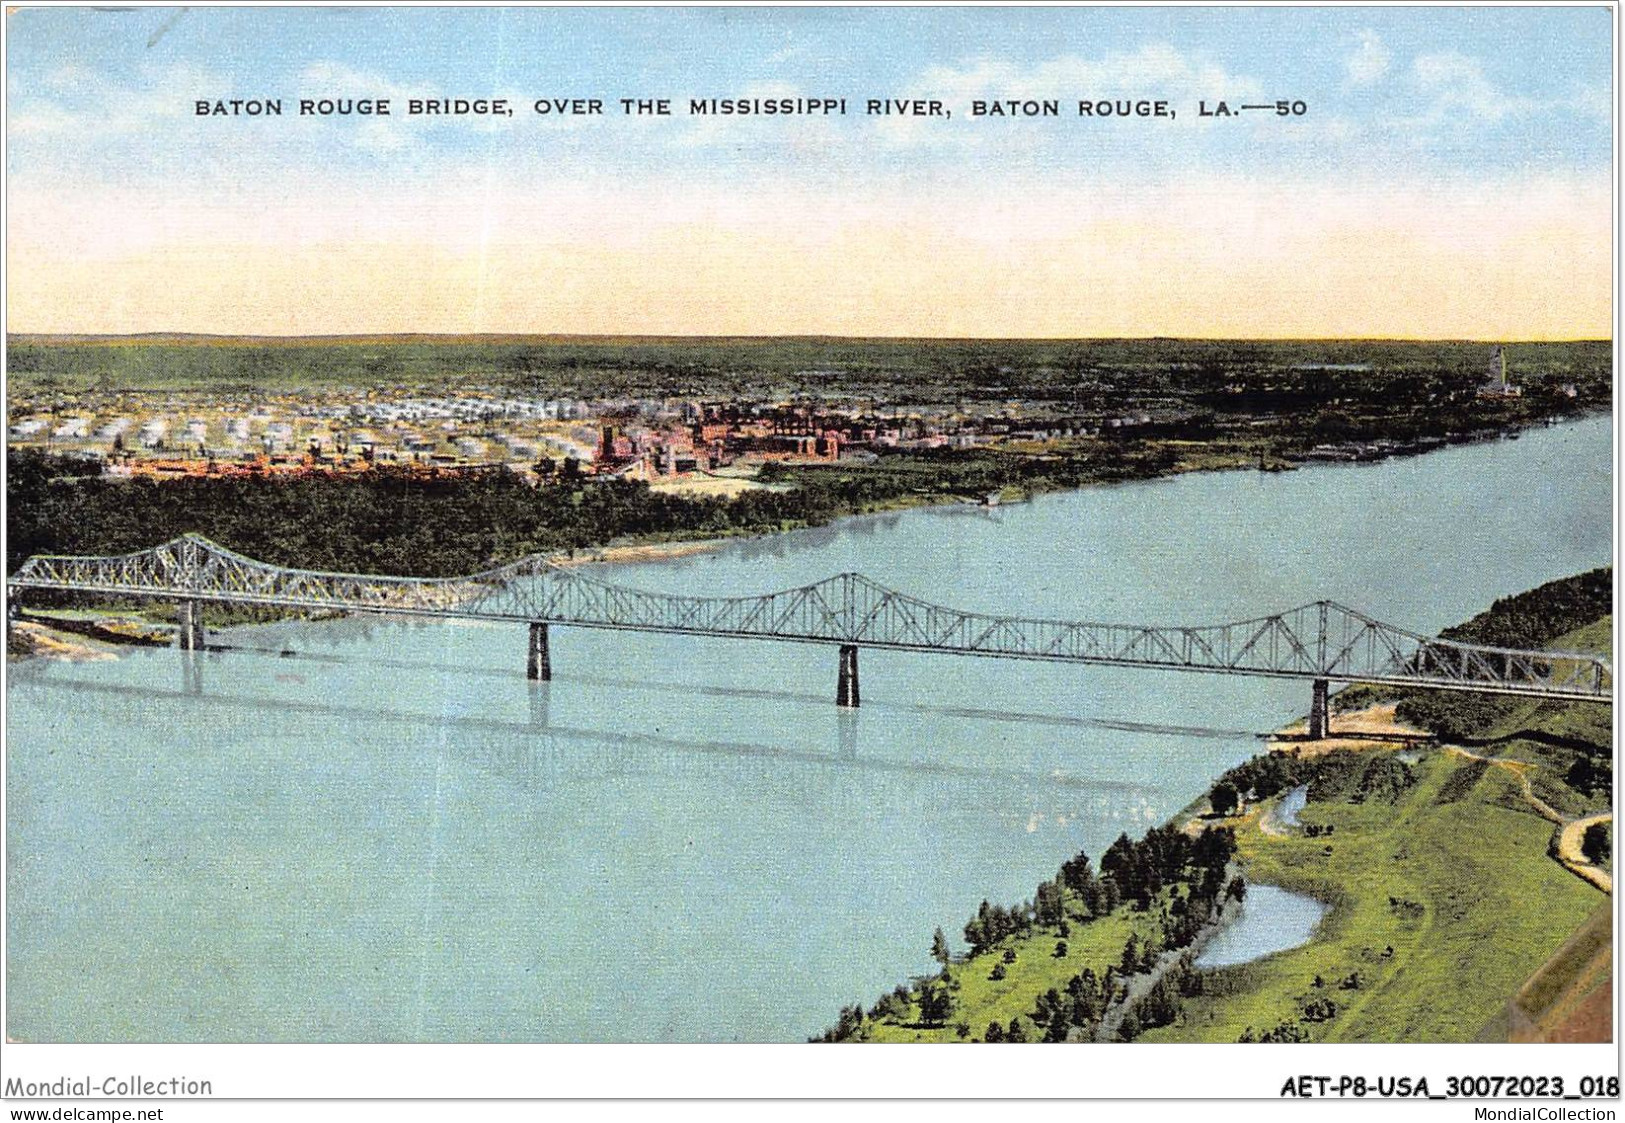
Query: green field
pixel 1556 736
pixel 979 1000
pixel 1444 896
pixel 1454 878
pixel 1443 902
pixel 1086 373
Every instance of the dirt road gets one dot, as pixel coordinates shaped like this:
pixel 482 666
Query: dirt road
pixel 1569 831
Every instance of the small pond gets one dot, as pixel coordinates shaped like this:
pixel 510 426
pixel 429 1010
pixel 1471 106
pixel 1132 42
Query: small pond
pixel 1272 919
pixel 1291 804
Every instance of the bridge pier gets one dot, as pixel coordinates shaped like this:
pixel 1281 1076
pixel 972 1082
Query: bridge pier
pixel 846 686
pixel 190 635
pixel 538 663
pixel 1320 711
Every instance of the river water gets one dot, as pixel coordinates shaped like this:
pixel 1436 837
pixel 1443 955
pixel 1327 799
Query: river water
pixel 388 834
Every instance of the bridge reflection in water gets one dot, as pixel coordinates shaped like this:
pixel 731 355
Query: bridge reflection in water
pixel 539 753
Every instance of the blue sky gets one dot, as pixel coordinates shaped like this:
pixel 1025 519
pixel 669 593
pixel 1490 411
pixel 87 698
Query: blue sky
pixel 1449 89
pixel 1513 102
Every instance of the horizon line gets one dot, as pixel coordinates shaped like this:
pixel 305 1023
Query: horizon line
pixel 491 336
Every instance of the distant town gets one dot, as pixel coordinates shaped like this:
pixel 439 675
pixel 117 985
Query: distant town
pixel 679 444
pixel 651 440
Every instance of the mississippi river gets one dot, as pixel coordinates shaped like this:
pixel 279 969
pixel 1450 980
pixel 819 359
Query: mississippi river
pixel 387 834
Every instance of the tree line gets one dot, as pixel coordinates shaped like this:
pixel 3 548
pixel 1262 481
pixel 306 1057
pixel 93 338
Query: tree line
pixel 392 520
pixel 1528 621
pixel 1186 878
pixel 1344 776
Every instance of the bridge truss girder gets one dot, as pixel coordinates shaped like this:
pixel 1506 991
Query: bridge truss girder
pixel 1321 641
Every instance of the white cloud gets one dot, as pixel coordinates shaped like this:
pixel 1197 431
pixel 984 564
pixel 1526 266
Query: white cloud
pixel 1455 97
pixel 85 111
pixel 1369 60
pixel 41 118
pixel 381 137
pixel 323 79
pixel 1155 71
pixel 786 54
pixel 1592 101
pixel 68 76
pixel 1459 86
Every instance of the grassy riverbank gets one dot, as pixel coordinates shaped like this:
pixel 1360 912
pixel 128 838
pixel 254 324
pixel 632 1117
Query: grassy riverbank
pixel 1444 890
pixel 1436 861
pixel 980 1000
pixel 1093 956
pixel 1442 903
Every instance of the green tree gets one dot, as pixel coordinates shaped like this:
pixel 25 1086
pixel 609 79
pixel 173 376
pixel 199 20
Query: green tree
pixel 892 1007
pixel 1048 903
pixel 1131 955
pixel 1077 874
pixel 1160 1006
pixel 1130 1027
pixel 976 934
pixel 935 1004
pixel 1224 797
pixel 939 948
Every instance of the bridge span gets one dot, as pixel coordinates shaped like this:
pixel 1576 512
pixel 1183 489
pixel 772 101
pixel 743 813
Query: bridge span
pixel 1322 642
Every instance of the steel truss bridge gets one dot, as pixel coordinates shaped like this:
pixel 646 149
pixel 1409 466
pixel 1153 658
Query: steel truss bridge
pixel 1321 642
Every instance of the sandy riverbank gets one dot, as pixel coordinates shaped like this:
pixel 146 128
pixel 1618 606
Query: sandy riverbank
pixel 1375 728
pixel 48 643
pixel 645 552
